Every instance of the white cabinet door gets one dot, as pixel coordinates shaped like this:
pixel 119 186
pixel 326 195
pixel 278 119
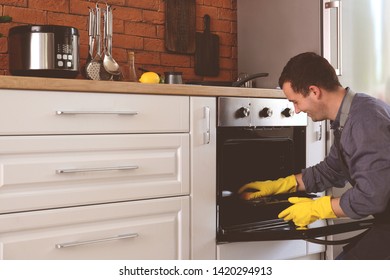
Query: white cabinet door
pixel 45 112
pixel 203 179
pixel 153 229
pixel 41 172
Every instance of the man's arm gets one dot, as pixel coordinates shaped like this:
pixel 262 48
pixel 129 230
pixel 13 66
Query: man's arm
pixel 335 202
pixel 300 184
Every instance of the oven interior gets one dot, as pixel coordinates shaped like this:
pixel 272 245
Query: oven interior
pixel 247 154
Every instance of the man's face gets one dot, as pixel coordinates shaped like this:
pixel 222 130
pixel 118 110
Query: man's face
pixel 308 104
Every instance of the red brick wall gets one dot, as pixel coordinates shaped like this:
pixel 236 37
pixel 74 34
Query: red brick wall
pixel 139 25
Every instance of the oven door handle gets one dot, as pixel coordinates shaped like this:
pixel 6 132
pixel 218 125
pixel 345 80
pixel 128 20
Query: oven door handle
pixel 337 229
pixel 336 242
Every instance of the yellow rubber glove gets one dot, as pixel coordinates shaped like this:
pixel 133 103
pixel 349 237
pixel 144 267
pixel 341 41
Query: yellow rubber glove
pixel 306 211
pixel 270 187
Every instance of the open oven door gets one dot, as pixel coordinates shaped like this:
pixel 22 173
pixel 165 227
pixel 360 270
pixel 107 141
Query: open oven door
pixel 256 220
pixel 311 234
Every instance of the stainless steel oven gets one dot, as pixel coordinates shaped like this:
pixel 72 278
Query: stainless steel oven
pixel 261 139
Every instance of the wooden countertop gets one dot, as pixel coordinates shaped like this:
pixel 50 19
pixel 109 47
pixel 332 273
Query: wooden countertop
pixel 78 85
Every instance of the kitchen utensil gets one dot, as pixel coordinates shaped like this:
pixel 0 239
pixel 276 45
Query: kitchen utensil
pixel 96 69
pixel 180 26
pixel 173 77
pixel 91 41
pixel 44 50
pixel 207 51
pixel 109 63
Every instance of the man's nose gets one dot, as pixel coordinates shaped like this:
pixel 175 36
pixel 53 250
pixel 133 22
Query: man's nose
pixel 297 111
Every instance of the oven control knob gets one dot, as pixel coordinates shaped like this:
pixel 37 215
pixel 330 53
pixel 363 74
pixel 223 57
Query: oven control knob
pixel 288 112
pixel 243 112
pixel 265 112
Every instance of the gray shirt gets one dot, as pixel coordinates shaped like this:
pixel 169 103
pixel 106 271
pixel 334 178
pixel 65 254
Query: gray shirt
pixel 366 148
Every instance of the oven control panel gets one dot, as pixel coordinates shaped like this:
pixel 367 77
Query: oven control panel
pixel 258 112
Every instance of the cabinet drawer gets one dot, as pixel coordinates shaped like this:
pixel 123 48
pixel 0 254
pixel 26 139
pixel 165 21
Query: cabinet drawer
pixel 26 112
pixel 155 229
pixel 40 172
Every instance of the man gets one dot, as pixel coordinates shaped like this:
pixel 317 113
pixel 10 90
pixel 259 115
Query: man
pixel 360 154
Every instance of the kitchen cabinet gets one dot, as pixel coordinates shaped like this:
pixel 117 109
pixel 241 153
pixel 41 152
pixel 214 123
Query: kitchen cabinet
pixel 203 178
pixel 106 176
pixel 145 229
pixel 40 172
pixel 50 112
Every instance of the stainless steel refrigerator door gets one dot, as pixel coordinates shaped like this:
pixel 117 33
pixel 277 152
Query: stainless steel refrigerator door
pixel 270 32
pixel 364 44
pixel 356 41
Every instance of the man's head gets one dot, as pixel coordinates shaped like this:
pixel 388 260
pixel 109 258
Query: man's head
pixel 311 83
pixel 309 69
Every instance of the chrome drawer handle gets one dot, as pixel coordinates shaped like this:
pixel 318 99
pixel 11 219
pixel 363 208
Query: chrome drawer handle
pixel 87 242
pixel 97 169
pixel 130 113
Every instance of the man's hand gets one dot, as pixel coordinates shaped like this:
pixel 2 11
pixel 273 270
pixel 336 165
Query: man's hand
pixel 267 188
pixel 306 211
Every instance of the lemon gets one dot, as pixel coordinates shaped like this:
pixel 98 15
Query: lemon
pixel 150 78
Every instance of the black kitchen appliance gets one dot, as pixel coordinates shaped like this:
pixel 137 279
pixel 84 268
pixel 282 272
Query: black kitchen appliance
pixel 262 139
pixel 44 51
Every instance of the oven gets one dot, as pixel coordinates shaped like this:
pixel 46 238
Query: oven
pixel 261 139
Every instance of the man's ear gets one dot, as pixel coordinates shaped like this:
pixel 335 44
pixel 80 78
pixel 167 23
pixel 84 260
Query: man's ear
pixel 316 91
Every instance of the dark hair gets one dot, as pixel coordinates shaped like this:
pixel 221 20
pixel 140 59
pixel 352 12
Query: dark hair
pixel 307 69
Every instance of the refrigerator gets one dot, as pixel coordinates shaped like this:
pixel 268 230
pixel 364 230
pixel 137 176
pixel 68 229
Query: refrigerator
pixel 354 35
